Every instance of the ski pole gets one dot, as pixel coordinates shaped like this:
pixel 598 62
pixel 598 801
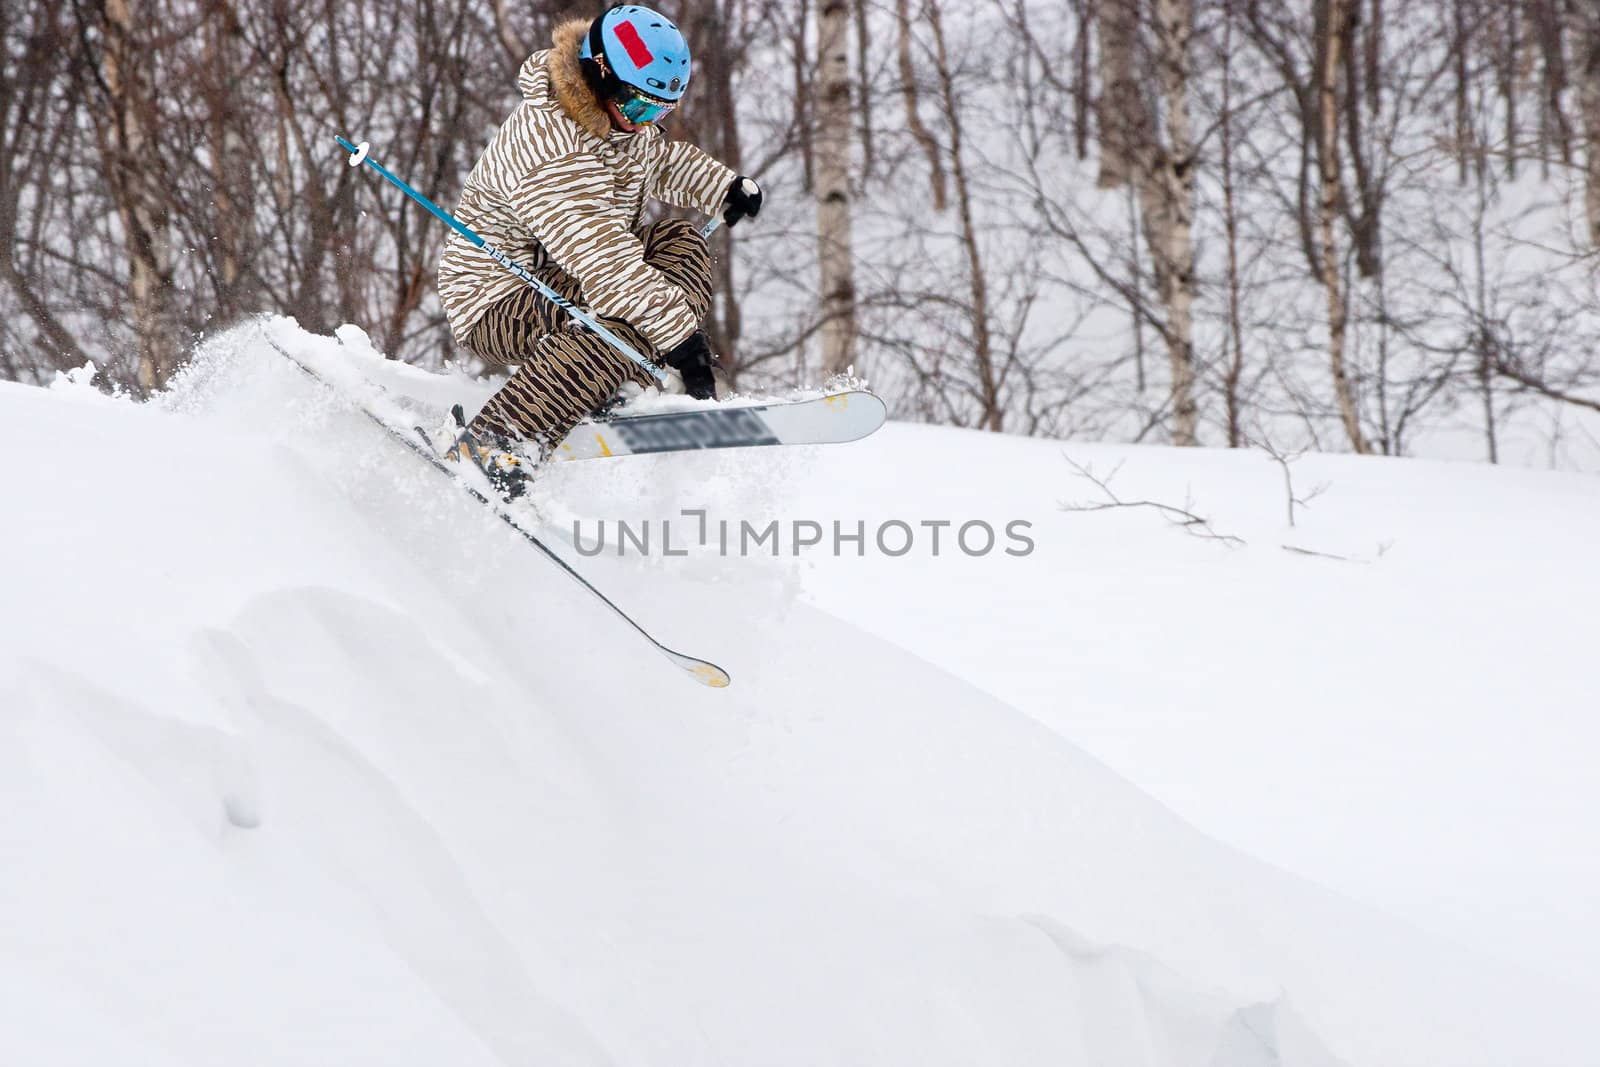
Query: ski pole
pixel 359 155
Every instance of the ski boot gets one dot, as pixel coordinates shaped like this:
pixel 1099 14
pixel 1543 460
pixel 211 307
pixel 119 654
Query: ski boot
pixel 506 470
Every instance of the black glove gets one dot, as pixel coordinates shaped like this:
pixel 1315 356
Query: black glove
pixel 692 358
pixel 743 200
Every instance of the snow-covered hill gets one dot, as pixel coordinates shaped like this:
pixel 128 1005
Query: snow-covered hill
pixel 306 760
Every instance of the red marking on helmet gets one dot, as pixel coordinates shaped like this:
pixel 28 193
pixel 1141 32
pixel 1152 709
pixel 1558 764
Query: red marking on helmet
pixel 637 50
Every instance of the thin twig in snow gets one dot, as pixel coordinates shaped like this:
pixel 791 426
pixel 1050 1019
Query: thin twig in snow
pixel 1182 517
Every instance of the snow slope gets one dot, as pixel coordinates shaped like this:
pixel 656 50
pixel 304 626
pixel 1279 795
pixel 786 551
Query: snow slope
pixel 305 759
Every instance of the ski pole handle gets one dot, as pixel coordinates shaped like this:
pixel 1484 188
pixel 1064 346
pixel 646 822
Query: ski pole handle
pixel 359 155
pixel 751 193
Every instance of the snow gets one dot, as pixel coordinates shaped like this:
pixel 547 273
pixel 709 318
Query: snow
pixel 306 759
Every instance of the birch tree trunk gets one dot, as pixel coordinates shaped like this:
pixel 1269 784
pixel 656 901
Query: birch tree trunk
pixel 1167 193
pixel 126 146
pixel 1159 164
pixel 834 123
pixel 1333 29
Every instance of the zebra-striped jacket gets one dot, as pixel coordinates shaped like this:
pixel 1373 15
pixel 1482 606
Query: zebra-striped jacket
pixel 559 188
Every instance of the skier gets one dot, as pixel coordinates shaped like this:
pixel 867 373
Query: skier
pixel 561 189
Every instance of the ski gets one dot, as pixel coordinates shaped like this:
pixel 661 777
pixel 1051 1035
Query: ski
pixel 702 671
pixel 832 419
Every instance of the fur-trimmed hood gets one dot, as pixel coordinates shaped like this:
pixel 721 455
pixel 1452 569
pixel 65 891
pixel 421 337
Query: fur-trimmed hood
pixel 567 84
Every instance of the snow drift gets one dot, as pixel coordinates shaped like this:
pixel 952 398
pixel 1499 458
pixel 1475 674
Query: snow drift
pixel 305 759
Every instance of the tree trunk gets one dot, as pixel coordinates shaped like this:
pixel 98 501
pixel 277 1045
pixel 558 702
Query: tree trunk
pixel 510 40
pixel 1509 56
pixel 1553 123
pixel 1460 48
pixel 1167 193
pixel 227 146
pixel 1083 79
pixel 130 176
pixel 1366 213
pixel 1589 101
pixel 1161 170
pixel 914 123
pixel 711 121
pixel 864 68
pixel 1374 78
pixel 1230 224
pixel 833 187
pixel 1333 30
pixel 992 415
pixel 805 114
pixel 1124 132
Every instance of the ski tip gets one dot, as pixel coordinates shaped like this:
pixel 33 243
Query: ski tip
pixel 708 674
pixel 860 412
pixel 711 674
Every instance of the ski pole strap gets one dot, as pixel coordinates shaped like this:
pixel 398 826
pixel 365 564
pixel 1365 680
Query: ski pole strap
pixel 359 155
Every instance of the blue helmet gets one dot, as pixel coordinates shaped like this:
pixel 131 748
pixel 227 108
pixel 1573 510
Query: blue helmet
pixel 639 49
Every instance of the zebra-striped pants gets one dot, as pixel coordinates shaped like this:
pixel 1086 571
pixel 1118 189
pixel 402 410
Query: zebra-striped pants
pixel 565 372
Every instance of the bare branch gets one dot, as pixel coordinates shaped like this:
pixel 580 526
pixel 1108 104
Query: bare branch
pixel 1178 516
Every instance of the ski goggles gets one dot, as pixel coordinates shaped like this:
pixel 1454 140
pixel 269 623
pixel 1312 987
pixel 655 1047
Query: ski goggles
pixel 640 108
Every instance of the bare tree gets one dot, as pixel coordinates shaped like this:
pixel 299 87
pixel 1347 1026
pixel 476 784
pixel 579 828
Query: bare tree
pixel 1550 28
pixel 711 120
pixel 869 142
pixel 1152 150
pixel 910 93
pixel 832 139
pixel 1166 179
pixel 1123 111
pixel 116 37
pixel 38 122
pixel 1588 39
pixel 516 49
pixel 1234 377
pixel 988 371
pixel 1334 25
